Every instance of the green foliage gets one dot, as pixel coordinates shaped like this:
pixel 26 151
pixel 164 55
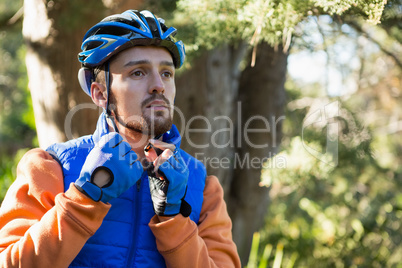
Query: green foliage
pixel 344 216
pixel 371 10
pixel 263 259
pixel 8 7
pixel 8 168
pixel 17 124
pixel 208 20
pixel 392 19
pixel 344 213
pixel 216 22
pixel 343 208
pixel 16 114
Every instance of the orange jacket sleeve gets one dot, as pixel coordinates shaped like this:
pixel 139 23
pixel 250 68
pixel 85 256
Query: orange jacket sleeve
pixel 184 244
pixel 40 225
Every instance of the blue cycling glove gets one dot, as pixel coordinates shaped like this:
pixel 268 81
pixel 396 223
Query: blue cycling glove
pixel 114 156
pixel 169 189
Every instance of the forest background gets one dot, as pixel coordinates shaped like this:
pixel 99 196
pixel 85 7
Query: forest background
pixel 294 105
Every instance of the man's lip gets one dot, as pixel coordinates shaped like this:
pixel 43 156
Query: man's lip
pixel 156 103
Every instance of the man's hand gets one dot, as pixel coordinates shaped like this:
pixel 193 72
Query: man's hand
pixel 168 176
pixel 110 169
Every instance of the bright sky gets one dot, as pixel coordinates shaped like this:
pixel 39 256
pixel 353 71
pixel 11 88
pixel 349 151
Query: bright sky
pixel 336 67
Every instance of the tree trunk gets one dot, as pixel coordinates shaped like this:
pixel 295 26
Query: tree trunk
pixel 205 111
pixel 53 31
pixel 217 116
pixel 262 100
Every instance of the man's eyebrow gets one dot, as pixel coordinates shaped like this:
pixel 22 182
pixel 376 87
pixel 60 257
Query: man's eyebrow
pixel 136 62
pixel 139 62
pixel 167 63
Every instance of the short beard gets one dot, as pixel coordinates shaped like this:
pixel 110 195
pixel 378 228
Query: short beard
pixel 152 126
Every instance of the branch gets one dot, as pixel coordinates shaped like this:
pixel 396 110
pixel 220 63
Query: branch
pixel 386 51
pixel 11 19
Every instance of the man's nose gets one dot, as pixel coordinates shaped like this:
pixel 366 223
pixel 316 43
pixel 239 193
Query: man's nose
pixel 156 84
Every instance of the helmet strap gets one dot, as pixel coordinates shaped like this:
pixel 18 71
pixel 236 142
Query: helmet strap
pixel 108 111
pixel 107 82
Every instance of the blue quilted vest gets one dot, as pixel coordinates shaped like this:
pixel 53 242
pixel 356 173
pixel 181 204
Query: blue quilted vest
pixel 124 238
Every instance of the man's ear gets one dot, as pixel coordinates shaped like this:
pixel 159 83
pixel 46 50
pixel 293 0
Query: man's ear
pixel 98 94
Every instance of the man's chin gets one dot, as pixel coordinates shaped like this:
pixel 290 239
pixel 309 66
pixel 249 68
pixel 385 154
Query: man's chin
pixel 151 128
pixel 158 127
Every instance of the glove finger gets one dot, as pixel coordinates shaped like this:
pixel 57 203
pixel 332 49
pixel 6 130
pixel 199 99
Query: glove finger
pixel 171 167
pixel 162 145
pixel 124 148
pixel 162 159
pixel 134 162
pixel 177 163
pixel 132 157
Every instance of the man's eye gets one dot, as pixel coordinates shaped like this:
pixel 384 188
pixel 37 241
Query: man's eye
pixel 167 74
pixel 137 73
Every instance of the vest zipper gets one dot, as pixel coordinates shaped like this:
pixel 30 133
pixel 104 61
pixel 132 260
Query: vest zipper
pixel 137 219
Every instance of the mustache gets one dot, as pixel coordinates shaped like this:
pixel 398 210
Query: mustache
pixel 153 98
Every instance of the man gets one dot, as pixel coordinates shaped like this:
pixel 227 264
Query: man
pixel 126 196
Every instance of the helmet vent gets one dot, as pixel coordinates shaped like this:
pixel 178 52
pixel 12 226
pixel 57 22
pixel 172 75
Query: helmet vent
pixel 116 31
pixel 92 45
pixel 125 21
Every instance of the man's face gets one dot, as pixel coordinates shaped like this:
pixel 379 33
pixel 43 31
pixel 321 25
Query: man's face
pixel 143 89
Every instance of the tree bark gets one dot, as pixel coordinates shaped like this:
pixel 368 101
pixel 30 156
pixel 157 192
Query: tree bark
pixel 215 104
pixel 53 31
pixel 205 111
pixel 262 100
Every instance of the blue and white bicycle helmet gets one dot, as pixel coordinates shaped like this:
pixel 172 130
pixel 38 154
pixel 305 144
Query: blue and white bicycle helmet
pixel 121 31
